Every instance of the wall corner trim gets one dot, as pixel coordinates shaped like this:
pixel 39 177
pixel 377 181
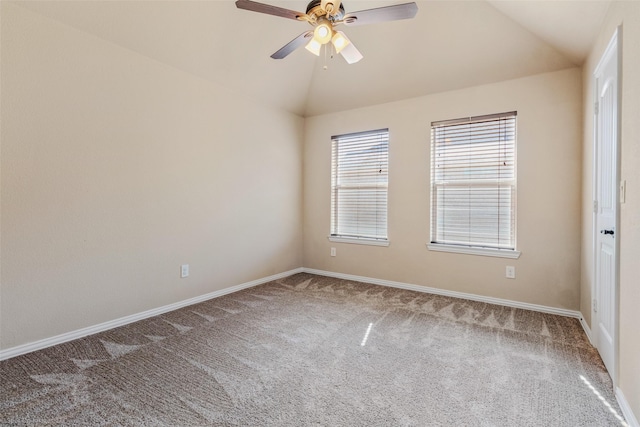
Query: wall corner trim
pixel 454 294
pixel 90 330
pixel 626 409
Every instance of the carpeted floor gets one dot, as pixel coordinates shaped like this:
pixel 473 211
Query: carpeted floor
pixel 312 350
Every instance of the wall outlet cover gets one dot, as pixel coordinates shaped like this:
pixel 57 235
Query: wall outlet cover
pixel 510 272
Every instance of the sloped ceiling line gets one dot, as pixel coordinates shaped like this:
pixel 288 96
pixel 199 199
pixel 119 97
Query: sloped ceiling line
pixel 449 45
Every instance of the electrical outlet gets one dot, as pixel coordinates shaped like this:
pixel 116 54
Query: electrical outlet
pixel 511 272
pixel 333 251
pixel 184 270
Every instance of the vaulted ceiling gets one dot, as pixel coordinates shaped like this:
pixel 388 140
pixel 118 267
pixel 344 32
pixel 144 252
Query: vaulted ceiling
pixel 449 45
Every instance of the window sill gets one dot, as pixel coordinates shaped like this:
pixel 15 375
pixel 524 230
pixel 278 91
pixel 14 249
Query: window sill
pixel 370 242
pixel 499 253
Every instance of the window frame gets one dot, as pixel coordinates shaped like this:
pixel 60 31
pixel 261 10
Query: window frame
pixel 362 239
pixel 467 247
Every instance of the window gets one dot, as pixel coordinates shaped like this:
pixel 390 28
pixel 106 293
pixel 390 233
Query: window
pixel 473 185
pixel 359 179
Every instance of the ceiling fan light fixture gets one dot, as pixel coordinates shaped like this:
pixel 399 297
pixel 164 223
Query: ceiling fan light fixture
pixel 323 33
pixel 314 47
pixel 323 15
pixel 340 41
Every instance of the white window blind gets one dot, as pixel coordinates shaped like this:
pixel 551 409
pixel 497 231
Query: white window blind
pixel 473 181
pixel 359 180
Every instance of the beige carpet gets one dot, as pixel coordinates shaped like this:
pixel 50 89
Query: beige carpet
pixel 311 350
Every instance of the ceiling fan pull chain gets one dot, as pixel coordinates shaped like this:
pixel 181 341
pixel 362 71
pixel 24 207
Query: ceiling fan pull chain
pixel 325 56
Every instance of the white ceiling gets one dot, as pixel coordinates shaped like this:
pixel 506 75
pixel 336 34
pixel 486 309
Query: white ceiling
pixel 449 45
pixel 570 26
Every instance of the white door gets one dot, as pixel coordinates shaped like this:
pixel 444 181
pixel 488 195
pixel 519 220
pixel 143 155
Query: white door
pixel 606 203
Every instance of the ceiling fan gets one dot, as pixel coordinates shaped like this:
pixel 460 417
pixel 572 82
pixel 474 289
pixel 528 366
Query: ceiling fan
pixel 324 16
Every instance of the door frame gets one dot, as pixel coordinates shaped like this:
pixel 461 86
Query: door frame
pixel 614 43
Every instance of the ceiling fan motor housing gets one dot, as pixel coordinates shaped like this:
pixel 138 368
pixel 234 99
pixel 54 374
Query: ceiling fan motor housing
pixel 316 10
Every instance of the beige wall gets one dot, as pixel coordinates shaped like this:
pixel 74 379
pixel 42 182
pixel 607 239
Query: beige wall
pixel 116 169
pixel 627 14
pixel 548 208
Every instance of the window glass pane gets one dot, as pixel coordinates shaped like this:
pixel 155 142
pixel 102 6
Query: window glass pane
pixel 473 181
pixel 359 178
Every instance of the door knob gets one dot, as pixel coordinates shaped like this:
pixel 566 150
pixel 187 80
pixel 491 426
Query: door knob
pixel 605 232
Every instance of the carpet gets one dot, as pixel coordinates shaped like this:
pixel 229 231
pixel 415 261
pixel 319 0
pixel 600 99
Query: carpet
pixel 309 350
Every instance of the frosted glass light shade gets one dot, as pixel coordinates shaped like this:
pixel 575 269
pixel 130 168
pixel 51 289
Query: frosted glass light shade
pixel 323 32
pixel 314 47
pixel 340 41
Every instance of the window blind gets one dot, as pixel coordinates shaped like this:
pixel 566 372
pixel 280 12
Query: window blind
pixel 359 180
pixel 473 181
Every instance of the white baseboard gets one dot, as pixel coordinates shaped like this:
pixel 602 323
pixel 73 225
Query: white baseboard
pixel 69 336
pixel 626 409
pixel 444 292
pixel 587 330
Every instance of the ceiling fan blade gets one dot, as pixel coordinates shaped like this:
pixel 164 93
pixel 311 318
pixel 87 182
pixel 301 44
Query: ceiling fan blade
pixel 254 6
pixel 351 54
pixel 382 14
pixel 293 45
